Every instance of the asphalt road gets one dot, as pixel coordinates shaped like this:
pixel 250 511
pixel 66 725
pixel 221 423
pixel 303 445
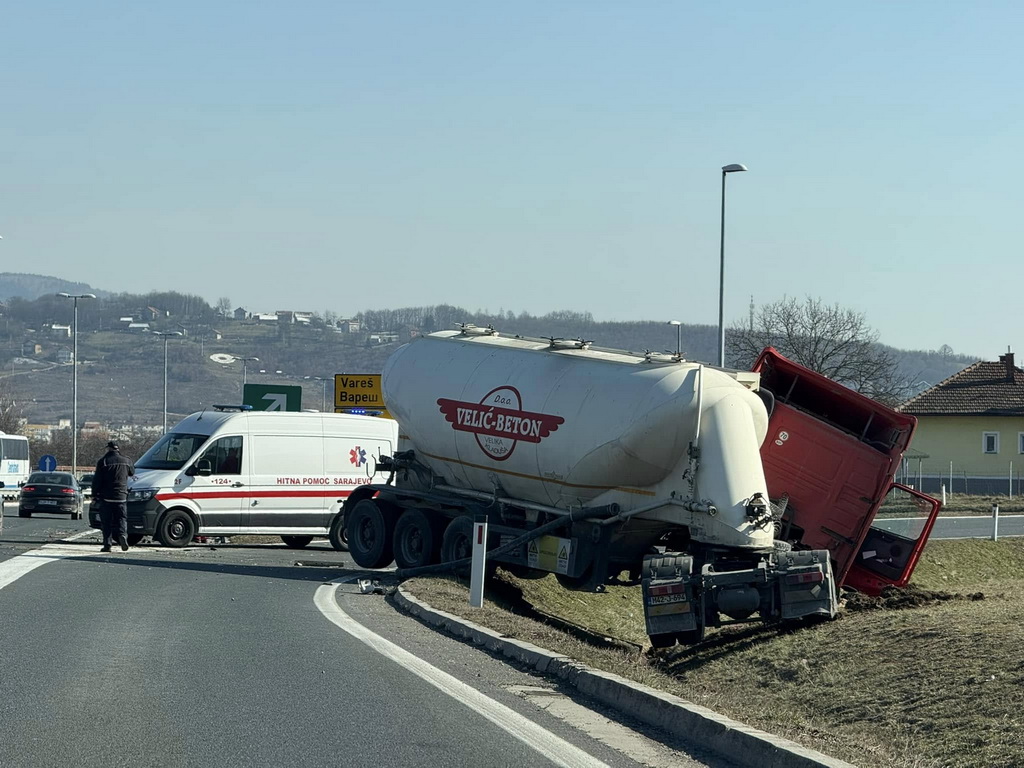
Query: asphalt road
pixel 220 656
pixel 971 527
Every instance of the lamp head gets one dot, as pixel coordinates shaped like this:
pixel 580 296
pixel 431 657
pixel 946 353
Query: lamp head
pixel 675 322
pixel 733 168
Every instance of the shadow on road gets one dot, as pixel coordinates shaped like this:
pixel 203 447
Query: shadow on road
pixel 308 565
pixel 292 572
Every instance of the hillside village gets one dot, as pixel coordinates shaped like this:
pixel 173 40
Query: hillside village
pixel 121 340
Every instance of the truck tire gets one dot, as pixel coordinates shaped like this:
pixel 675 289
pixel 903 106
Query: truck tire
pixel 176 529
pixel 457 543
pixel 369 526
pixel 415 542
pixel 666 640
pixel 338 535
pixel 296 542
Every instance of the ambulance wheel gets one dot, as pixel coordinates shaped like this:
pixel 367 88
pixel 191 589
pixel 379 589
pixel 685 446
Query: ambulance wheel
pixel 176 529
pixel 415 544
pixel 369 525
pixel 134 538
pixel 338 534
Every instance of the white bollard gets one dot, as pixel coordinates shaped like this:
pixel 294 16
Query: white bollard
pixel 476 573
pixel 995 522
pixel 943 494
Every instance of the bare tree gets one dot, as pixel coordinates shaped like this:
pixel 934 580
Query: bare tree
pixel 832 340
pixel 224 305
pixel 11 411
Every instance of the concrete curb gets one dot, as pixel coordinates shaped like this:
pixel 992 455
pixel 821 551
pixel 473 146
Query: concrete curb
pixel 697 725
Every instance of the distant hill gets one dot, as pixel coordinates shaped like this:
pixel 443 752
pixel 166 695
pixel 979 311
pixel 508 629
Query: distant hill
pixel 121 373
pixel 31 287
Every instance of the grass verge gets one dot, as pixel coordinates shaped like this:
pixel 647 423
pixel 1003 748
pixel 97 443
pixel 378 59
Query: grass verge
pixel 927 679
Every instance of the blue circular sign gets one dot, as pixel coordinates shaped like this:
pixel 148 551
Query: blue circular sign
pixel 47 463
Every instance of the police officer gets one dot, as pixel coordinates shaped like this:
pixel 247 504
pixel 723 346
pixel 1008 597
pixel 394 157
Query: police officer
pixel 110 488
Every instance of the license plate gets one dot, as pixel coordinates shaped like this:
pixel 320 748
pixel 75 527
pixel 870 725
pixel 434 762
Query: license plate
pixel 679 597
pixel 51 502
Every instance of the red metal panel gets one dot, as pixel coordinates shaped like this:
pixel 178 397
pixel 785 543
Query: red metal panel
pixel 834 453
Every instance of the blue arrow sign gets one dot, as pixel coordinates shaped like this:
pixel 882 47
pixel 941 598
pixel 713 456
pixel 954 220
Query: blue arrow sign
pixel 47 463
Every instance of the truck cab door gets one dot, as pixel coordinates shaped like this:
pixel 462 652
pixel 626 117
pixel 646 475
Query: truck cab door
pixel 894 543
pixel 218 488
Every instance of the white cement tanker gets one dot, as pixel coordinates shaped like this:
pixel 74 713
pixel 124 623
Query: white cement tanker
pixel 587 463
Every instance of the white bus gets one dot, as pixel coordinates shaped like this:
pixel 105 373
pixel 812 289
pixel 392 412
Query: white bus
pixel 14 468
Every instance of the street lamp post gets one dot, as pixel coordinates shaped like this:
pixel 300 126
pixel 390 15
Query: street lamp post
pixel 244 361
pixel 726 169
pixel 166 336
pixel 74 377
pixel 323 396
pixel 679 336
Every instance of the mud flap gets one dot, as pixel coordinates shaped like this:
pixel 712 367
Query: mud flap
pixel 669 604
pixel 807 586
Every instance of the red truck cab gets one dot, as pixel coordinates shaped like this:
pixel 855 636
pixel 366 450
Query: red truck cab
pixel 830 458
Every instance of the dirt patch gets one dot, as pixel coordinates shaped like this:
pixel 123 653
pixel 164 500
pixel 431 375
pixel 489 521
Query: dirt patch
pixel 897 599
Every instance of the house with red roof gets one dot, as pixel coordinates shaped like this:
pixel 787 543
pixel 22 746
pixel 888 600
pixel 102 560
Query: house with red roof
pixel 971 429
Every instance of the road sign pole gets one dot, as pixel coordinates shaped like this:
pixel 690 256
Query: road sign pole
pixel 476 574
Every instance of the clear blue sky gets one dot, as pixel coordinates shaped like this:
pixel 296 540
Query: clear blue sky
pixel 526 156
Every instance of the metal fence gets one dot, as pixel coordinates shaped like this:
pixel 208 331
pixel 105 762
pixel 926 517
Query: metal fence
pixel 927 477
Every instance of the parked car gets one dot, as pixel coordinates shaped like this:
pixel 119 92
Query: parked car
pixel 56 492
pixel 86 482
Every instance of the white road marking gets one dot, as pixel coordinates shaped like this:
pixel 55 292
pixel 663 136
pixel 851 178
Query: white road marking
pixel 13 569
pixel 555 749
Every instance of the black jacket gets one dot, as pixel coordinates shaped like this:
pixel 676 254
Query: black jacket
pixel 110 483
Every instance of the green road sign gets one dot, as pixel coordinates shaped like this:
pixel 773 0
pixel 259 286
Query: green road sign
pixel 272 397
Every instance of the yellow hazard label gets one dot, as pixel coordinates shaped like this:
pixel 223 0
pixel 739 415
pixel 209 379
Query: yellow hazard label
pixel 549 553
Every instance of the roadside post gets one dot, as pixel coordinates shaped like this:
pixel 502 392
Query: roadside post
pixel 3 500
pixel 943 494
pixel 476 573
pixel 995 522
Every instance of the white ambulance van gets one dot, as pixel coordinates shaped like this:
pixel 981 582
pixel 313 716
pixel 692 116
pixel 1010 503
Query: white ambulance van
pixel 230 471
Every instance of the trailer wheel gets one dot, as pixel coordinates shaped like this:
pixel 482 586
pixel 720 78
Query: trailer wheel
pixel 296 542
pixel 415 543
pixel 457 543
pixel 369 527
pixel 691 637
pixel 176 529
pixel 338 535
pixel 666 640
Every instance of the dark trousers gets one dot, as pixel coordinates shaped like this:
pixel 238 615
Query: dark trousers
pixel 113 521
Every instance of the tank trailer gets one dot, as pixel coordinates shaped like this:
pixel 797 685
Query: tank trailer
pixel 731 496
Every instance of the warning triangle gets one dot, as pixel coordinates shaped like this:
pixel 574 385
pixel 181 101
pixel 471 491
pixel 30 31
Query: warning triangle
pixel 533 547
pixel 563 554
